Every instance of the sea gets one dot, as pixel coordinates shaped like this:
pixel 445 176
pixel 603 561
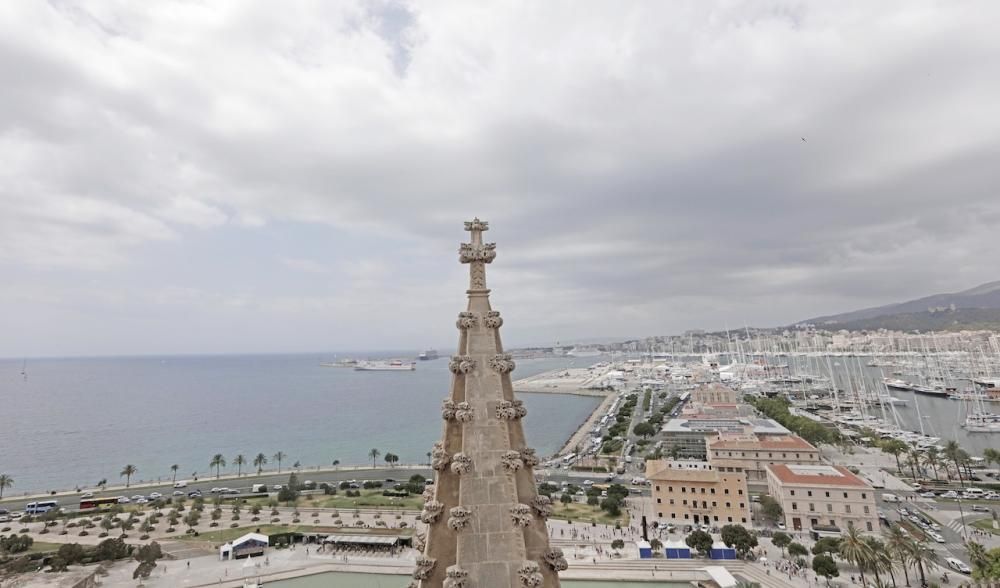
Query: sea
pixel 71 422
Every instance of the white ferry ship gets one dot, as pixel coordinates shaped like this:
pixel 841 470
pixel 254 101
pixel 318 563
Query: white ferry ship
pixel 385 366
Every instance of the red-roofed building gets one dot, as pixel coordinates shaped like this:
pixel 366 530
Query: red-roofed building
pixel 822 496
pixel 753 454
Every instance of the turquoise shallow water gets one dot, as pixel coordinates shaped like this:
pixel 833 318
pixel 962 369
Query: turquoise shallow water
pixel 76 421
pixel 339 580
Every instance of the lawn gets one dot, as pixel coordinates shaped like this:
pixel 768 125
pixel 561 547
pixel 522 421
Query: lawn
pixel 585 513
pixel 41 546
pixel 986 525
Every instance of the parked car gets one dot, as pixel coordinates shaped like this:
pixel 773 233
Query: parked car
pixel 928 494
pixel 957 565
pixel 124 500
pixel 194 494
pixel 155 495
pixel 979 508
pixel 179 493
pixel 950 494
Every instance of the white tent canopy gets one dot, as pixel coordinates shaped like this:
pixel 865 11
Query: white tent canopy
pixel 721 576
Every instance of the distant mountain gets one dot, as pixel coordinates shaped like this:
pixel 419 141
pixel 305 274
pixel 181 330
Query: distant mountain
pixel 977 307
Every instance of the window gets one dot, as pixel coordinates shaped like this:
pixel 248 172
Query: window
pixel 728 505
pixel 683 490
pixel 673 515
pixel 742 505
pixel 795 506
pixel 812 507
pixel 685 503
pixel 716 517
pixel 809 493
pixel 796 456
pixel 864 495
pixel 725 491
pixel 793 492
pixel 686 515
pixel 743 520
pixel 659 515
pixel 769 455
pixel 827 494
pixel 740 492
pixel 847 508
pixel 704 504
pixel 671 501
pixel 669 488
pixel 866 509
pixel 711 490
pixel 829 507
pixel 659 501
pixel 702 490
pixel 845 494
pixel 714 504
pixel 729 519
pixel 832 523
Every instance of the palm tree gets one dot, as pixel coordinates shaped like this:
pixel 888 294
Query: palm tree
pixel 218 462
pixel 977 555
pixel 856 550
pixel 991 456
pixel 913 459
pixel 5 482
pixel 894 447
pixel 932 458
pixel 278 457
pixel 953 451
pixel 128 471
pixel 174 469
pixel 880 561
pixel 919 553
pixel 896 545
pixel 238 461
pixel 259 462
pixel 374 453
pixel 428 457
pixel 336 463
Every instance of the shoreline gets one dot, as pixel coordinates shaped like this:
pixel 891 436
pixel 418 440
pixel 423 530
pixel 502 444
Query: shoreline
pixel 583 431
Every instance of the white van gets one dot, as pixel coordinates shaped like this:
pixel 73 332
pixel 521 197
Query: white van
pixel 973 493
pixel 890 498
pixel 957 565
pixel 181 484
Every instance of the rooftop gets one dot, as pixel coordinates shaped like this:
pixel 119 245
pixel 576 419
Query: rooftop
pixel 760 426
pixel 823 475
pixel 776 442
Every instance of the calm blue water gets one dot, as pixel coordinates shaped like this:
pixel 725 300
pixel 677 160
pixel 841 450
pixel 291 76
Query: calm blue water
pixel 76 421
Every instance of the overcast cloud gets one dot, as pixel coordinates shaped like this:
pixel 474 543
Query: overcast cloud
pixel 234 176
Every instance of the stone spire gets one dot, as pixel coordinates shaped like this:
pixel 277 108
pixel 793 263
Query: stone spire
pixel 485 519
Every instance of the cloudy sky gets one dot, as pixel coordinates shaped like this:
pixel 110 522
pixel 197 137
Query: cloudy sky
pixel 237 176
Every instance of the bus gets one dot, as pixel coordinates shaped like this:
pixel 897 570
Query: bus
pixel 99 503
pixel 33 508
pixel 568 458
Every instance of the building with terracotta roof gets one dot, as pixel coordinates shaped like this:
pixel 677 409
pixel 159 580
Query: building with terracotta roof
pixel 690 492
pixel 714 393
pixel 822 496
pixel 753 453
pixel 686 437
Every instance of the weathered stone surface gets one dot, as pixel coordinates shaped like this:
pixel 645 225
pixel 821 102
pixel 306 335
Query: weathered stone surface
pixel 484 486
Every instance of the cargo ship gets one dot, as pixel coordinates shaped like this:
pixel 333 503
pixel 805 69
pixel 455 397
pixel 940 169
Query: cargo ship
pixel 428 355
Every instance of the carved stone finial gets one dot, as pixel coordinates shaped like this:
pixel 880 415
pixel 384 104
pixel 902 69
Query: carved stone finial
pixel 520 514
pixel 466 320
pixel 510 410
pixel 477 225
pixel 511 461
pixel 460 518
pixel 528 457
pixel 461 364
pixel 420 541
pixel 456 577
pixel 424 567
pixel 432 512
pixel 461 464
pixel 502 363
pixel 493 320
pixel 439 457
pixel 530 575
pixel 448 409
pixel 542 505
pixel 473 252
pixel 555 559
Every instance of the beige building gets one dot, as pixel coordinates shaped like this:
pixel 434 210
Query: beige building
pixel 714 394
pixel 822 496
pixel 753 454
pixel 689 492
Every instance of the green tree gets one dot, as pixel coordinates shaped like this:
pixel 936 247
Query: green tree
pixel 824 566
pixel 771 509
pixel 146 556
pixel 918 554
pixel 374 453
pixel 797 549
pixel 990 455
pixel 644 430
pixel 827 545
pixel 5 483
pixel 127 472
pixel 932 459
pixel 391 458
pixel 699 540
pixel 566 498
pixel 239 461
pixel 278 457
pixel 953 451
pixel 259 462
pixel 881 561
pixel 174 469
pixel 336 463
pixel 856 550
pixel 737 537
pixel 896 545
pixel 781 541
pixel 618 544
pixel 218 462
pixel 895 448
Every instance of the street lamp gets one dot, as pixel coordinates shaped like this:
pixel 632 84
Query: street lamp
pixel 965 534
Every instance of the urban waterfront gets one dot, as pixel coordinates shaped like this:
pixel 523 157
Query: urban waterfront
pixel 77 421
pixel 346 580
